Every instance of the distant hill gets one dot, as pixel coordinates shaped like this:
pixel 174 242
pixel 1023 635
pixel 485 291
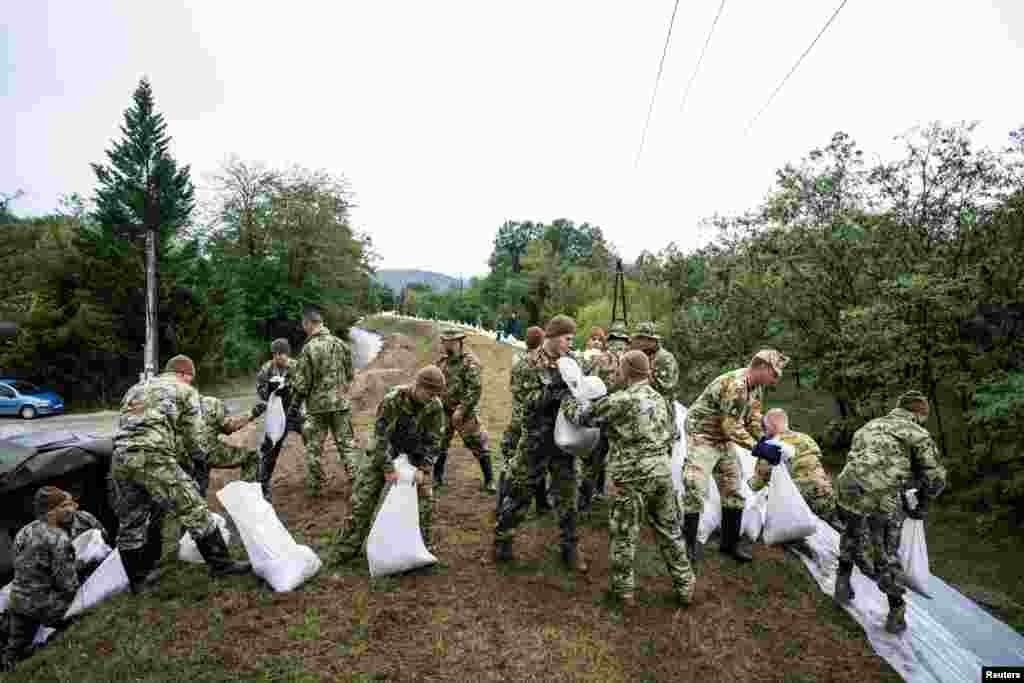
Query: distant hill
pixel 397 279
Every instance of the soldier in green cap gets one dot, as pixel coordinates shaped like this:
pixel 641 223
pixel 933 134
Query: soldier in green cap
pixel 889 455
pixel 462 372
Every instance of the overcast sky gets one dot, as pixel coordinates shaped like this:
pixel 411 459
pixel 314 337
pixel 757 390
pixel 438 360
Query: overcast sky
pixel 449 118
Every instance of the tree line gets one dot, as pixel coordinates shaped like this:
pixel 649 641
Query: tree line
pixel 234 269
pixel 872 276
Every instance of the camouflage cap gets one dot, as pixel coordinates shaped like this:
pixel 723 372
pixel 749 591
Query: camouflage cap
pixel 773 358
pixel 452 334
pixel 182 364
pixel 635 365
pixel 618 331
pixel 647 329
pixel 280 346
pixel 432 379
pixel 909 398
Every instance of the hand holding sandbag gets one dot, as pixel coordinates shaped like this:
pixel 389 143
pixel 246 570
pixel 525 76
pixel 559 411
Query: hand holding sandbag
pixel 769 452
pixel 258 410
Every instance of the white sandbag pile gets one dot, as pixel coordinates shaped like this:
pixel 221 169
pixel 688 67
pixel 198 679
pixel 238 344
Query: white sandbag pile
pixel 788 518
pixel 395 543
pixel 274 554
pixel 187 550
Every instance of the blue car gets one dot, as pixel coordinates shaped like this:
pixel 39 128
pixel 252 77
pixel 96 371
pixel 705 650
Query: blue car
pixel 18 397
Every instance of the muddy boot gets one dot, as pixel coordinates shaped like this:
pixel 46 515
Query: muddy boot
pixel 440 482
pixel 488 472
pixel 503 551
pixel 215 552
pixel 896 621
pixel 574 560
pixel 844 590
pixel 694 548
pixel 265 471
pixel 502 491
pixel 732 544
pixel 540 496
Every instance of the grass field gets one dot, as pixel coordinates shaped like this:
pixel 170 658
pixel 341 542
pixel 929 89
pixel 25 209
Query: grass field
pixel 468 619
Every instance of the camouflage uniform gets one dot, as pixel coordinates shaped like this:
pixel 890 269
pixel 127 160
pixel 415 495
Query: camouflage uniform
pixel 403 426
pixel 322 378
pixel 888 455
pixel 606 366
pixel 215 454
pixel 728 410
pixel 462 376
pixel 637 422
pixel 80 521
pixel 539 388
pixel 808 474
pixel 294 413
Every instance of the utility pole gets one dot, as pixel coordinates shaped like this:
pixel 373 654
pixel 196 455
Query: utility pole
pixel 150 356
pixel 619 291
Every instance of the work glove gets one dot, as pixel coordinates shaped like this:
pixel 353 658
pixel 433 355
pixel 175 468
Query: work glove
pixel 258 410
pixel 918 512
pixel 276 382
pixel 768 452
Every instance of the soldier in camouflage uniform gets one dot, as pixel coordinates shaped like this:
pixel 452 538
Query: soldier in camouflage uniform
pixel 637 422
pixel 510 439
pixel 78 522
pixel 540 389
pixel 45 580
pixel 215 453
pixel 889 455
pixel 158 431
pixel 606 366
pixel 462 370
pixel 273 376
pixel 322 378
pixel 410 421
pixel 728 410
pixel 664 368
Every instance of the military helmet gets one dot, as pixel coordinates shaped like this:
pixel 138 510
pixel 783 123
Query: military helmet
pixel 452 334
pixel 618 331
pixel 647 329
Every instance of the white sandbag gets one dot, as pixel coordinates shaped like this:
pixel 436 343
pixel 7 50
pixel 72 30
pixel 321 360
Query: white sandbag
pixel 187 550
pixel 679 449
pixel 5 597
pixel 788 518
pixel 395 544
pixel 754 513
pixel 711 515
pixel 274 421
pixel 914 555
pixel 572 374
pixel 274 554
pixel 90 547
pixel 572 439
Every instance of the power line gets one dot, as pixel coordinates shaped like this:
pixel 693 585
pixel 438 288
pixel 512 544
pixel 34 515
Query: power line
pixel 657 80
pixel 689 85
pixel 786 78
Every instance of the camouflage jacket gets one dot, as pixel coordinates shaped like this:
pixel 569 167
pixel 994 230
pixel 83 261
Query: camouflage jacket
pixel 536 372
pixel 515 424
pixel 606 366
pixel 639 428
pixel 80 521
pixel 162 415
pixel 215 423
pixel 270 370
pixel 664 373
pixel 888 454
pixel 462 380
pixel 45 581
pixel 727 410
pixel 804 467
pixel 323 373
pixel 410 427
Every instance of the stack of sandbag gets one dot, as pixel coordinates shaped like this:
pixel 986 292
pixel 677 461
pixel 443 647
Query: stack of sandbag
pixel 274 554
pixel 395 543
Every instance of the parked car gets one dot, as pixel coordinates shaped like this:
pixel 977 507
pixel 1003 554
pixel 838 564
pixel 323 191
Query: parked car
pixel 77 463
pixel 18 397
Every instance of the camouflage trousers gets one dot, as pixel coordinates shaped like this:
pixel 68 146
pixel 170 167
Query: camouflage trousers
pixel 537 456
pixel 366 495
pixel 314 432
pixel 509 446
pixel 702 461
pixel 144 486
pixel 19 631
pixel 654 501
pixel 223 456
pixel 472 435
pixel 819 497
pixel 878 535
pixel 592 466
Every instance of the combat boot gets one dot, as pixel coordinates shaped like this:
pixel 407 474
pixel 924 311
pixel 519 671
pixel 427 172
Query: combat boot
pixel 586 495
pixel 896 620
pixel 844 590
pixel 502 492
pixel 440 482
pixel 540 496
pixel 574 560
pixel 215 552
pixel 265 472
pixel 733 544
pixel 503 551
pixel 141 578
pixel 488 472
pixel 694 548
